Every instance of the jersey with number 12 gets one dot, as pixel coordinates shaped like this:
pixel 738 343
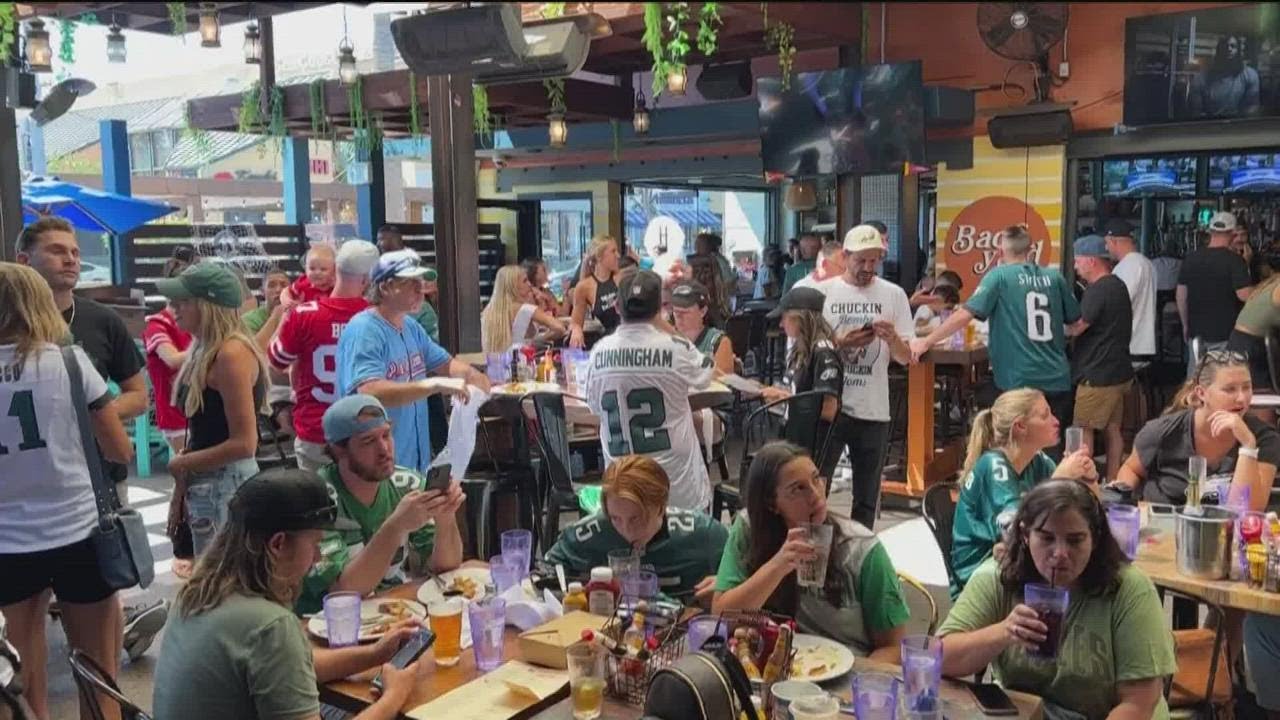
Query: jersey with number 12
pixel 308 341
pixel 1027 306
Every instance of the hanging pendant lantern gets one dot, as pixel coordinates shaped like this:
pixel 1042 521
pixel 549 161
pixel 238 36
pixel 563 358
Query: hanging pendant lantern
pixel 252 43
pixel 557 129
pixel 39 52
pixel 210 27
pixel 116 52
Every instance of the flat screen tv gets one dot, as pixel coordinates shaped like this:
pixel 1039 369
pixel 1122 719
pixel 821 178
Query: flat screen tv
pixel 851 120
pixel 1212 64
pixel 1244 173
pixel 1149 177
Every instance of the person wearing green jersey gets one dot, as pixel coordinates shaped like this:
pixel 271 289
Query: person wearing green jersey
pixel 1028 307
pixel 806 260
pixel 404 528
pixel 683 546
pixel 1005 459
pixel 1114 647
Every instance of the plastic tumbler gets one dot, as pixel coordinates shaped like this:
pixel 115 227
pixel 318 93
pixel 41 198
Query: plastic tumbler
pixel 497 367
pixel 505 572
pixel 814 572
pixel 488 617
pixel 342 618
pixel 517 545
pixel 815 707
pixel 445 619
pixel 703 627
pixel 623 562
pixel 1050 603
pixel 875 696
pixel 922 672
pixel 1126 523
pixel 586 679
pixel 1074 440
pixel 639 585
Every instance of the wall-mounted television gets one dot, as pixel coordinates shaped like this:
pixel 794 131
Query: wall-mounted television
pixel 1150 177
pixel 852 120
pixel 1211 64
pixel 1244 173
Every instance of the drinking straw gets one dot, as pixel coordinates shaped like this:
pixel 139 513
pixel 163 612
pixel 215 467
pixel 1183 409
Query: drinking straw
pixel 1053 578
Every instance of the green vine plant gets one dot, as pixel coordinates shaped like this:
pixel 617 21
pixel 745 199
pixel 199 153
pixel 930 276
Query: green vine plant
pixel 780 38
pixel 616 128
pixel 8 30
pixel 709 24
pixel 277 129
pixel 249 117
pixel 552 10
pixel 482 120
pixel 365 136
pixel 555 95
pixel 67 41
pixel 678 46
pixel 199 137
pixel 415 112
pixel 178 18
pixel 319 116
pixel 654 41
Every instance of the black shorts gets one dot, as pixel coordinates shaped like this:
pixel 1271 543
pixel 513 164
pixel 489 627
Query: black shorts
pixel 71 570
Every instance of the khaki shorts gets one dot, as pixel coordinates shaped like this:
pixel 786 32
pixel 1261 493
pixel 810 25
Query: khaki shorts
pixel 1098 406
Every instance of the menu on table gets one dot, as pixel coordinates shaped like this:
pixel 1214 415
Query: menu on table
pixel 513 687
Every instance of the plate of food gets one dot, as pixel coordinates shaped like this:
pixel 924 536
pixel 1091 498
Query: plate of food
pixel 818 659
pixel 466 583
pixel 377 616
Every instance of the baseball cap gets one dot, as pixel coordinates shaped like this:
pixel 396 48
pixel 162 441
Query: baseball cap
pixel 801 298
pixel 640 294
pixel 357 257
pixel 342 419
pixel 211 281
pixel 1091 246
pixel 398 264
pixel 862 237
pixel 1119 228
pixel 1222 221
pixel 689 293
pixel 287 499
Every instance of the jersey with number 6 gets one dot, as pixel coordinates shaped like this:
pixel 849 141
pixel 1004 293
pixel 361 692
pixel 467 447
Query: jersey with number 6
pixel 1027 306
pixel 638 384
pixel 308 341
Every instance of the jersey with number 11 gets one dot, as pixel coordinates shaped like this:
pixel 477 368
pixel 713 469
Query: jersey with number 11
pixel 1027 306
pixel 308 341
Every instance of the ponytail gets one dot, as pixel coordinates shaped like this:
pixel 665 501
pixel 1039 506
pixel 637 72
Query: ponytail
pixel 1184 399
pixel 993 427
pixel 979 441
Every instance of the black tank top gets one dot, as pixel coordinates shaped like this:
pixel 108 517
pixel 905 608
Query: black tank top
pixel 606 308
pixel 208 427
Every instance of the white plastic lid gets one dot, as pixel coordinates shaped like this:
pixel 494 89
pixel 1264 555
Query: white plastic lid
pixel 575 587
pixel 601 574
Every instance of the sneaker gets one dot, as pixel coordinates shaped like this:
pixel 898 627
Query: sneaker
pixel 141 624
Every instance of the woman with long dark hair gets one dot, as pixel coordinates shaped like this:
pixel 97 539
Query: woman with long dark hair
pixel 1114 649
pixel 859 605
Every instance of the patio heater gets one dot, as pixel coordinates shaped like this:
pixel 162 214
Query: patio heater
pixel 39 52
pixel 116 52
pixel 210 28
pixel 557 129
pixel 640 118
pixel 252 43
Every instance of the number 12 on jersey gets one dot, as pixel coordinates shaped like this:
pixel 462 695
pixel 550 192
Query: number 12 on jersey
pixel 646 431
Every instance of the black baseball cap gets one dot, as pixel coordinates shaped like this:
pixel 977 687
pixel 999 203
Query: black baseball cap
pixel 640 294
pixel 286 500
pixel 1118 227
pixel 801 298
pixel 689 293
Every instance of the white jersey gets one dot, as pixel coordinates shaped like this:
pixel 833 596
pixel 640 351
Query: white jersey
pixel 46 495
pixel 638 384
pixel 1139 277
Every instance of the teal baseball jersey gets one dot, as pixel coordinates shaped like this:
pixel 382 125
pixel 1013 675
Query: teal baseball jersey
pixel 1027 306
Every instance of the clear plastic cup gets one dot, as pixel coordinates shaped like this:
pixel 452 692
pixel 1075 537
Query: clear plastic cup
pixel 517 545
pixel 623 562
pixel 639 585
pixel 488 617
pixel 505 572
pixel 875 696
pixel 922 672
pixel 586 679
pixel 1126 524
pixel 813 573
pixel 703 627
pixel 445 620
pixel 1051 604
pixel 342 618
pixel 1074 439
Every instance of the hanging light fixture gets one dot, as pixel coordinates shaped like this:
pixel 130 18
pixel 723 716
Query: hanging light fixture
pixel 115 44
pixel 252 43
pixel 39 52
pixel 347 71
pixel 210 28
pixel 640 119
pixel 678 80
pixel 557 129
pixel 801 196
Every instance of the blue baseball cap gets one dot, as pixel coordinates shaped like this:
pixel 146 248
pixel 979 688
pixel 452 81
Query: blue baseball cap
pixel 342 420
pixel 398 264
pixel 1091 246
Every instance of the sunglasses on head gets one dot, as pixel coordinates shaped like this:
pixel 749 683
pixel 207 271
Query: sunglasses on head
pixel 1219 358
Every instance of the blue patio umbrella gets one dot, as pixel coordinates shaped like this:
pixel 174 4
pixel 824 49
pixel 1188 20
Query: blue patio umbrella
pixel 86 208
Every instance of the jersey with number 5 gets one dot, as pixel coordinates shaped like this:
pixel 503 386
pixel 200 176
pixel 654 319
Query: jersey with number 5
pixel 1027 306
pixel 308 341
pixel 638 384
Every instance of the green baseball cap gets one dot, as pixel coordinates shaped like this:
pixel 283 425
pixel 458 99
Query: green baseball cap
pixel 210 281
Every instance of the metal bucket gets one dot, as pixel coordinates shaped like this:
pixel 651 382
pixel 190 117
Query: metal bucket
pixel 1203 542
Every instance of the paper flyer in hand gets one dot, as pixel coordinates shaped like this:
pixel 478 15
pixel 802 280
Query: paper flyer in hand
pixel 462 430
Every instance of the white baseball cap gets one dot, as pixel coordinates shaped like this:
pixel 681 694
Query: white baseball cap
pixel 862 237
pixel 1222 221
pixel 356 257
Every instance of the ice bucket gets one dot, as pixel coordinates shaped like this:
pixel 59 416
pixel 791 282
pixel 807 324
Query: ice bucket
pixel 1204 541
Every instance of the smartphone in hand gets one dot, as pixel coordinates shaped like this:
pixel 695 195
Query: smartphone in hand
pixel 410 651
pixel 438 477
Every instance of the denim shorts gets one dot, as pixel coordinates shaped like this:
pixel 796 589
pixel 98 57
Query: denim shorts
pixel 209 497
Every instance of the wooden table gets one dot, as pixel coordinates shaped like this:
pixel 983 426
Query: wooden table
pixel 1156 558
pixel 927 464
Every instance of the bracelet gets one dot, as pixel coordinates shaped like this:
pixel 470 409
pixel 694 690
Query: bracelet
pixel 1249 452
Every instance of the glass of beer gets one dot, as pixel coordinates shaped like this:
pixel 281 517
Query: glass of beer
pixel 445 620
pixel 586 679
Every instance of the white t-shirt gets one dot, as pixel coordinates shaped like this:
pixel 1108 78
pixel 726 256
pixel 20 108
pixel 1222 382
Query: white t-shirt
pixel 808 281
pixel 638 384
pixel 520 324
pixel 1140 277
pixel 866 369
pixel 46 495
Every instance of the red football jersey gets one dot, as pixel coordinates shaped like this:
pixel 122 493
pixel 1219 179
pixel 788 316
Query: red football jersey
pixel 162 328
pixel 308 341
pixel 303 291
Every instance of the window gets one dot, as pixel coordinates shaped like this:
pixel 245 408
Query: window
pixel 566 231
pixel 149 151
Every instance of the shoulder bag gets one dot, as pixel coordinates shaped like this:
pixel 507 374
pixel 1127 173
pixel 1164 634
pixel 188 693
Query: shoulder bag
pixel 706 685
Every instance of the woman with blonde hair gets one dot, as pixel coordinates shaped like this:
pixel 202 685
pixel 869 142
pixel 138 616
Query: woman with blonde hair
pixel 683 546
pixel 596 295
pixel 511 313
pixel 47 506
pixel 220 387
pixel 1004 460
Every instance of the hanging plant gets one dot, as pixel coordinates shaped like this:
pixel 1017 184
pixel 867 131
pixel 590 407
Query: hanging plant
pixel 178 18
pixel 277 129
pixel 780 38
pixel 555 95
pixel 709 23
pixel 617 140
pixel 480 106
pixel 365 136
pixel 67 44
pixel 415 112
pixel 678 41
pixel 319 117
pixel 249 118
pixel 656 45
pixel 552 10
pixel 8 29
pixel 199 137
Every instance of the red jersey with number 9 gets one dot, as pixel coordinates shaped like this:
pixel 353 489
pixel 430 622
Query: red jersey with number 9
pixel 308 341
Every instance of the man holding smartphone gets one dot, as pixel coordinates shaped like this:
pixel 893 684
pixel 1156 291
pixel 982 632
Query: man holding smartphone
pixel 405 525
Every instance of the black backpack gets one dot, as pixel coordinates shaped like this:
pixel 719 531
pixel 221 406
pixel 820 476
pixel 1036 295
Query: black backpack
pixel 702 685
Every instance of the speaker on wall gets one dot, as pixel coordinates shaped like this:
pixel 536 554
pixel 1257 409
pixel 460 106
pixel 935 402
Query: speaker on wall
pixel 1028 129
pixel 725 81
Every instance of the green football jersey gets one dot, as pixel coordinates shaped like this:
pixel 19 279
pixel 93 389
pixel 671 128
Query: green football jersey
pixel 1027 306
pixel 339 547
pixel 686 550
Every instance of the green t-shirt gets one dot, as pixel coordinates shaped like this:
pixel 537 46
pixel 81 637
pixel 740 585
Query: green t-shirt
pixel 247 658
pixel 686 550
pixel 1027 306
pixel 1111 638
pixel 256 318
pixel 989 491
pixel 798 270
pixel 429 320
pixel 338 548
pixel 871 594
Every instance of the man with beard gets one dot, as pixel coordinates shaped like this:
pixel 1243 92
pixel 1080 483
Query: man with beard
pixel 404 528
pixel 1227 87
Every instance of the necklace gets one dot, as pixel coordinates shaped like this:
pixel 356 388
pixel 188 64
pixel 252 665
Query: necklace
pixel 72 319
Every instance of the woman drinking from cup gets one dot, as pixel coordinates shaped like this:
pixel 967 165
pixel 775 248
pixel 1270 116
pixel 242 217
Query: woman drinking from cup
pixel 786 554
pixel 1005 459
pixel 1105 654
pixel 596 295
pixel 511 312
pixel 1208 417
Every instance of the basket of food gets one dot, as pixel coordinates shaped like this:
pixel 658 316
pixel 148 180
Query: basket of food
pixel 641 638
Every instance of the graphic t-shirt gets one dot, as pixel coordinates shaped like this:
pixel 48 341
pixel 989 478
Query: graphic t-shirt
pixel 46 497
pixel 338 548
pixel 1027 306
pixel 866 369
pixel 1212 276
pixel 1139 277
pixel 638 384
pixel 370 348
pixel 308 341
pixel 1163 446
pixel 686 549
pixel 1100 356
pixel 1112 638
pixel 161 328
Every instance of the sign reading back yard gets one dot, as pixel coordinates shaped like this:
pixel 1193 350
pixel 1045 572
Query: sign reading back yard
pixel 973 240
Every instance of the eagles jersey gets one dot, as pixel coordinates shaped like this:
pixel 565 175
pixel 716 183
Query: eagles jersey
pixel 686 549
pixel 1027 306
pixel 638 381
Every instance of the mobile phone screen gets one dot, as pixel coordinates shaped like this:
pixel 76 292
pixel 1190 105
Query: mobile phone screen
pixel 438 477
pixel 992 699
pixel 412 650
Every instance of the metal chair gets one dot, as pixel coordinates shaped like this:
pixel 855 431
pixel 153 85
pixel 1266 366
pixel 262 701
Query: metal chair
pixel 1201 658
pixel 939 506
pixel 921 604
pixel 799 421
pixel 559 494
pixel 503 469
pixel 94 684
